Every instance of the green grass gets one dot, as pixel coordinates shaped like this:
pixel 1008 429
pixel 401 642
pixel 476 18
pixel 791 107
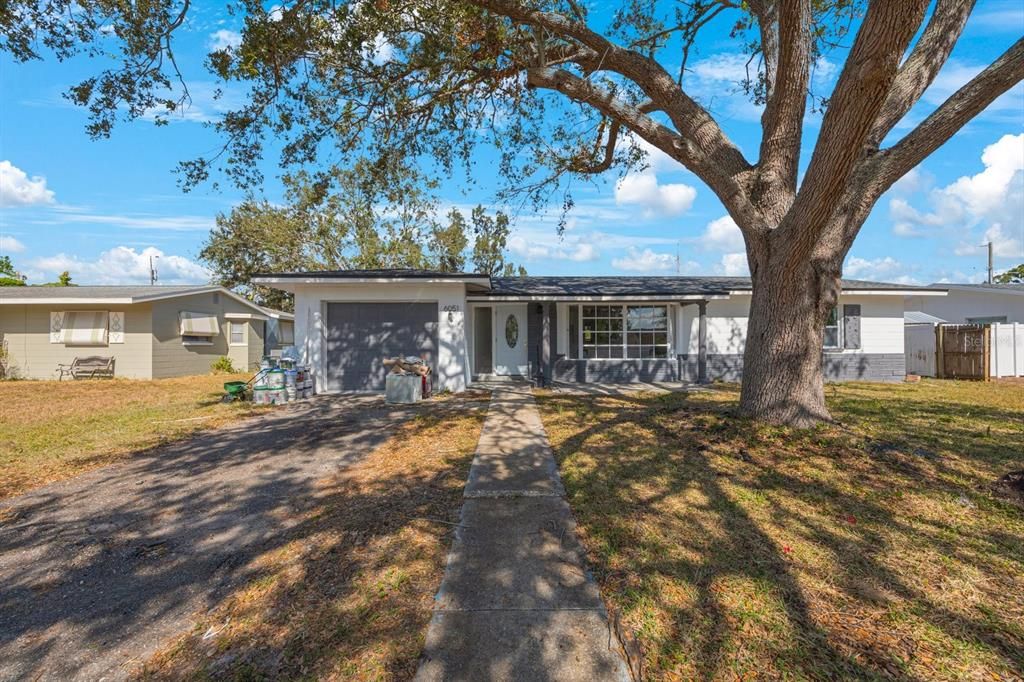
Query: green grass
pixel 872 548
pixel 53 430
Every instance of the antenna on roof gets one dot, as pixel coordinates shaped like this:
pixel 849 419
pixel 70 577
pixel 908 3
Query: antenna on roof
pixel 990 262
pixel 152 271
pixel 677 260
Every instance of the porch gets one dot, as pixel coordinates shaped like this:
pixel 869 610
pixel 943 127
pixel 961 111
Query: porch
pixel 589 341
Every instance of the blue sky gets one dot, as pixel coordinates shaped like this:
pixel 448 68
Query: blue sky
pixel 101 208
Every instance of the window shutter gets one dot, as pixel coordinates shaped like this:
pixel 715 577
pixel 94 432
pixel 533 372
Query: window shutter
pixel 851 325
pixel 115 333
pixel 56 327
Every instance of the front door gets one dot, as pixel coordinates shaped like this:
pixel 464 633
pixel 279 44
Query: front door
pixel 510 340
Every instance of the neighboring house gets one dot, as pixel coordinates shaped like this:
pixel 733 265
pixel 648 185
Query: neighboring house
pixel 150 331
pixel 973 303
pixel 1001 306
pixel 576 329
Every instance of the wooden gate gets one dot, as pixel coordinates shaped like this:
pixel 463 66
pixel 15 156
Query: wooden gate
pixel 962 351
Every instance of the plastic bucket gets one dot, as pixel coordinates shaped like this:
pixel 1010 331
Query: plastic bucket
pixel 275 378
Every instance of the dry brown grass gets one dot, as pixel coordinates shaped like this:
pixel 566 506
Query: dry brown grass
pixel 870 549
pixel 350 595
pixel 53 430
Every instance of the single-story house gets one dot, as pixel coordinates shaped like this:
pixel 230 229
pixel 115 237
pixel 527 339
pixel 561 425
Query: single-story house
pixel 151 331
pixel 973 303
pixel 575 329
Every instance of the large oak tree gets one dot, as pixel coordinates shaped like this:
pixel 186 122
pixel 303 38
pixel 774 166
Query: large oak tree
pixel 561 93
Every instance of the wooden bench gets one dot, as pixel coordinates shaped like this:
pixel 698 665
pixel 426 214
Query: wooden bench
pixel 91 367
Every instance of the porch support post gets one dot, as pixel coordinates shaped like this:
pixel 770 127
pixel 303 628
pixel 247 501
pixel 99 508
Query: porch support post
pixel 702 343
pixel 545 341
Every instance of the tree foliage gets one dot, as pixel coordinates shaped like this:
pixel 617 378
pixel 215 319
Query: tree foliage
pixel 9 277
pixel 1014 275
pixel 347 225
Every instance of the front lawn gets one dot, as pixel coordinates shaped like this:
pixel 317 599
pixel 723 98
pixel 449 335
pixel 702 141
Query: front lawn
pixel 53 430
pixel 874 548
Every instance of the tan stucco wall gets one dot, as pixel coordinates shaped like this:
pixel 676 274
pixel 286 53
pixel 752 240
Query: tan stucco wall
pixel 26 329
pixel 173 358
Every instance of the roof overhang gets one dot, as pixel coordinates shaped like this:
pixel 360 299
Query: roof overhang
pixel 563 298
pixel 867 292
pixel 245 316
pixel 984 290
pixel 63 300
pixel 288 283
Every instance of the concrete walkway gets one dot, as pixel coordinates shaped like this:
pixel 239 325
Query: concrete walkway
pixel 517 601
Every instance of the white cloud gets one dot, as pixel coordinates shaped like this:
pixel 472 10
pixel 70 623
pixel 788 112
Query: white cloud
pixel 645 261
pixel 224 39
pixel 722 234
pixel 541 244
pixel 381 52
pixel 733 265
pixel 725 67
pixel 886 269
pixel 642 189
pixel 124 265
pixel 10 245
pixel 956 73
pixel 135 221
pixel 18 189
pixel 717 82
pixel 992 200
pixel 1004 244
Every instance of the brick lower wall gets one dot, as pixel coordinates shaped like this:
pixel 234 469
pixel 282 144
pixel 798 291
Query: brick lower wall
pixel 837 367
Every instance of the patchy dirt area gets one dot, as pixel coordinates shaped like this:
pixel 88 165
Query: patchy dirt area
pixel 100 572
pixel 1011 487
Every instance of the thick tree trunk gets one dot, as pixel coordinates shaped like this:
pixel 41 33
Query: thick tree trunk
pixel 783 381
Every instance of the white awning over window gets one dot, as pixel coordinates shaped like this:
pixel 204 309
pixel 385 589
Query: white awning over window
pixel 198 324
pixel 85 328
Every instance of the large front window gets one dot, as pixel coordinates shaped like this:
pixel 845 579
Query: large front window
pixel 617 331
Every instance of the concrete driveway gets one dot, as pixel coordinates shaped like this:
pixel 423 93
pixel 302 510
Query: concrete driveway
pixel 99 571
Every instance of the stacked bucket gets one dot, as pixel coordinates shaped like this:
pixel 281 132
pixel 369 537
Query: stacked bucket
pixel 283 384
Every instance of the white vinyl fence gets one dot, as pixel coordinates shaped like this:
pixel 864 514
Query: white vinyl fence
pixel 919 347
pixel 1007 355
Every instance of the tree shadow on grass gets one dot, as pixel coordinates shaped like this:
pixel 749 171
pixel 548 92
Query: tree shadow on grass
pixel 736 549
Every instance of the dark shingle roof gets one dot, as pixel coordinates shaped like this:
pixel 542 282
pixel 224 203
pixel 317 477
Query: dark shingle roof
pixel 383 273
pixel 644 286
pixel 983 286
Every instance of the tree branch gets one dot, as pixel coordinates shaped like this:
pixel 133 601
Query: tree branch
pixel 923 64
pixel 727 187
pixel 783 118
pixel 859 95
pixel 767 15
pixel 955 112
pixel 689 118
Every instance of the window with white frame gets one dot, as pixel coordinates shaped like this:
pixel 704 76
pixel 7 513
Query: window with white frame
pixel 647 331
pixel 620 331
pixel 833 329
pixel 237 333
